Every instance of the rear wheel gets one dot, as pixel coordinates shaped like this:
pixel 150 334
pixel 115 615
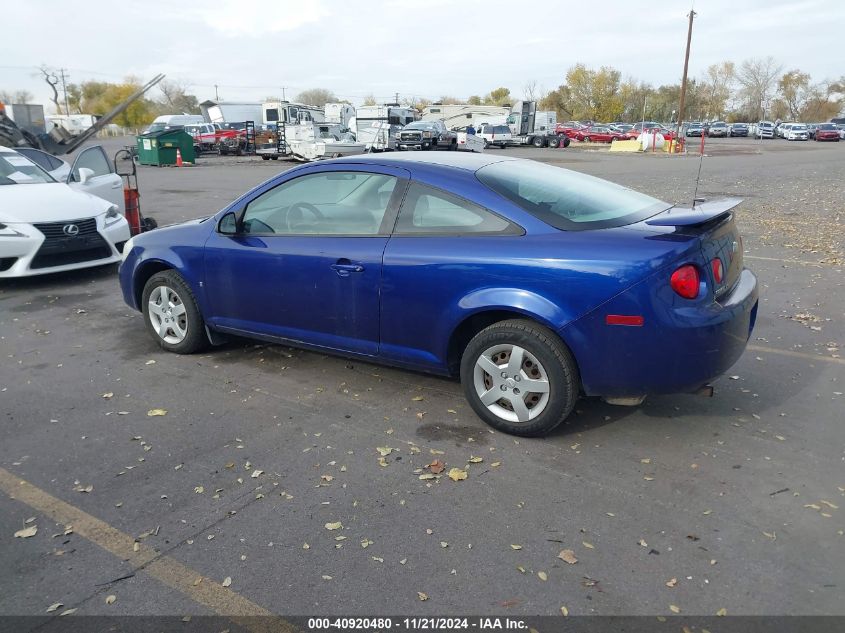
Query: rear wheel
pixel 519 377
pixel 554 142
pixel 171 313
pixel 538 141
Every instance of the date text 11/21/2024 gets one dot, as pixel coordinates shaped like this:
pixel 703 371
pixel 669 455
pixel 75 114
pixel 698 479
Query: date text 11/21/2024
pixel 416 623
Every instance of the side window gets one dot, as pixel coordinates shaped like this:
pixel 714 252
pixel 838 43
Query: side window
pixel 431 211
pixel 94 159
pixel 327 203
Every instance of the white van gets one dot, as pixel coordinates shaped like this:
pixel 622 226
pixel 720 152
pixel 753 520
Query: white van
pixel 167 121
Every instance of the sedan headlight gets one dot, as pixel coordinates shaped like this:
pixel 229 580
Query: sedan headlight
pixel 112 216
pixel 8 231
pixel 126 248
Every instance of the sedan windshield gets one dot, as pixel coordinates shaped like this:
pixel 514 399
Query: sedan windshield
pixel 568 200
pixel 19 170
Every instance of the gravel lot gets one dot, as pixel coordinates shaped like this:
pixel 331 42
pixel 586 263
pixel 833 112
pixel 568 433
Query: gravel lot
pixel 685 503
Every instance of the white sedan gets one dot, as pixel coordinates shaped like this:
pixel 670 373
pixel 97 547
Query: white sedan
pixel 47 227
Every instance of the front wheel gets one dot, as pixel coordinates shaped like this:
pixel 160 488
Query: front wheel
pixel 171 313
pixel 519 377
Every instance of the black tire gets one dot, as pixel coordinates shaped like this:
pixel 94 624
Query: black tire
pixel 553 357
pixel 538 141
pixel 554 142
pixel 195 338
pixel 265 158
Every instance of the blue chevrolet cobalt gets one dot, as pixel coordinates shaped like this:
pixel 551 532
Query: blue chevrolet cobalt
pixel 531 283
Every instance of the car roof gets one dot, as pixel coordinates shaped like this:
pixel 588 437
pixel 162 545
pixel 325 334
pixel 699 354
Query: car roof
pixel 455 160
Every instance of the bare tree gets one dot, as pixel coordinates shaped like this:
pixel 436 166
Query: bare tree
pixel 531 90
pixel 52 81
pixel 176 97
pixel 316 96
pixel 17 96
pixel 758 77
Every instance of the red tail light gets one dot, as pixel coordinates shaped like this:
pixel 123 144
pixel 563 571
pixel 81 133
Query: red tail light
pixel 718 270
pixel 685 281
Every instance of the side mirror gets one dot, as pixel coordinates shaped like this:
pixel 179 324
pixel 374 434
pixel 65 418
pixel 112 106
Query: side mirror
pixel 85 175
pixel 228 224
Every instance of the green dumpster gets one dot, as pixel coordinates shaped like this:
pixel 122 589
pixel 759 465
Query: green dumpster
pixel 159 148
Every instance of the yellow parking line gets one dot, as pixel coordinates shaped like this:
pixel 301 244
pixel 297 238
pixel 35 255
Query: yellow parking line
pixel 207 592
pixel 804 355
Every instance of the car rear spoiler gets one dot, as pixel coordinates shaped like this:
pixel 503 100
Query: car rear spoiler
pixel 699 214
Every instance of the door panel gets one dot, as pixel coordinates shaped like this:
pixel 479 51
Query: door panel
pixel 104 183
pixel 306 261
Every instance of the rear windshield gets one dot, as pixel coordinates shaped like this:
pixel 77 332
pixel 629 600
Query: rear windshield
pixel 565 199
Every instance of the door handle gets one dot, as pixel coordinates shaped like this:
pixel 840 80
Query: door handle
pixel 343 267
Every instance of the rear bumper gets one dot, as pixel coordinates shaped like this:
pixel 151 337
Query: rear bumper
pixel 681 346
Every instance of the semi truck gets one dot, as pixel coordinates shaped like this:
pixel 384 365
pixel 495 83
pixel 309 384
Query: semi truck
pixel 532 127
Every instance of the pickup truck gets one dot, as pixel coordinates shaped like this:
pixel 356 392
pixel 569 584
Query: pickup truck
pixel 426 135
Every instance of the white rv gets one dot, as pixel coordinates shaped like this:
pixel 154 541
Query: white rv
pixel 275 112
pixel 341 113
pixel 461 115
pixel 376 126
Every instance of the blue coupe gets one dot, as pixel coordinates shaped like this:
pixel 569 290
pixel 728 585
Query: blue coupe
pixel 534 284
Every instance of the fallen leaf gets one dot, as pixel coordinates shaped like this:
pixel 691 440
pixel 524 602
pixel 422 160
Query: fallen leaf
pixel 564 611
pixel 150 362
pixel 476 460
pixel 81 488
pixel 54 606
pixel 422 596
pixel 425 476
pixel 326 477
pixel 327 577
pixel 403 561
pixel 306 546
pixel 256 474
pixel 111 598
pixel 672 583
pixel 646 460
pixel 516 546
pixel 417 398
pixel 643 543
pixel 199 490
pixel 108 395
pixel 227 581
pixel 32 530
pixel 771 535
pixel 722 611
pixel 456 474
pixel 366 543
pixel 829 504
pixel 154 412
pixel 436 466
pixel 674 609
pixel 334 526
pixel 444 544
pixel 542 575
pixel 567 556
pixel 136 547
pixel 384 451
pixel 68 612
pixel 587 545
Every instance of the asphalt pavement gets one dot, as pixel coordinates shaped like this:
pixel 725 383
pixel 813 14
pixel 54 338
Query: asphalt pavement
pixel 258 478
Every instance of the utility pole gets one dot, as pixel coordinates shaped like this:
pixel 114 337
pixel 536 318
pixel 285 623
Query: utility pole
pixel 216 96
pixel 64 88
pixel 283 94
pixel 396 98
pixel 691 15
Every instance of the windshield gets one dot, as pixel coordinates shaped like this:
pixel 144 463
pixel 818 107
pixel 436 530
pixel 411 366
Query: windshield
pixel 156 127
pixel 420 125
pixel 827 126
pixel 798 126
pixel 19 170
pixel 566 199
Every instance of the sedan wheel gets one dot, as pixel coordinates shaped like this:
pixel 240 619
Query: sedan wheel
pixel 171 313
pixel 519 377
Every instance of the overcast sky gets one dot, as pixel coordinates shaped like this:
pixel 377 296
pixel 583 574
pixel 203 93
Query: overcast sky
pixel 253 48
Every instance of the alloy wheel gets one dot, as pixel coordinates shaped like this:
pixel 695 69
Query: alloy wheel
pixel 511 383
pixel 168 315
